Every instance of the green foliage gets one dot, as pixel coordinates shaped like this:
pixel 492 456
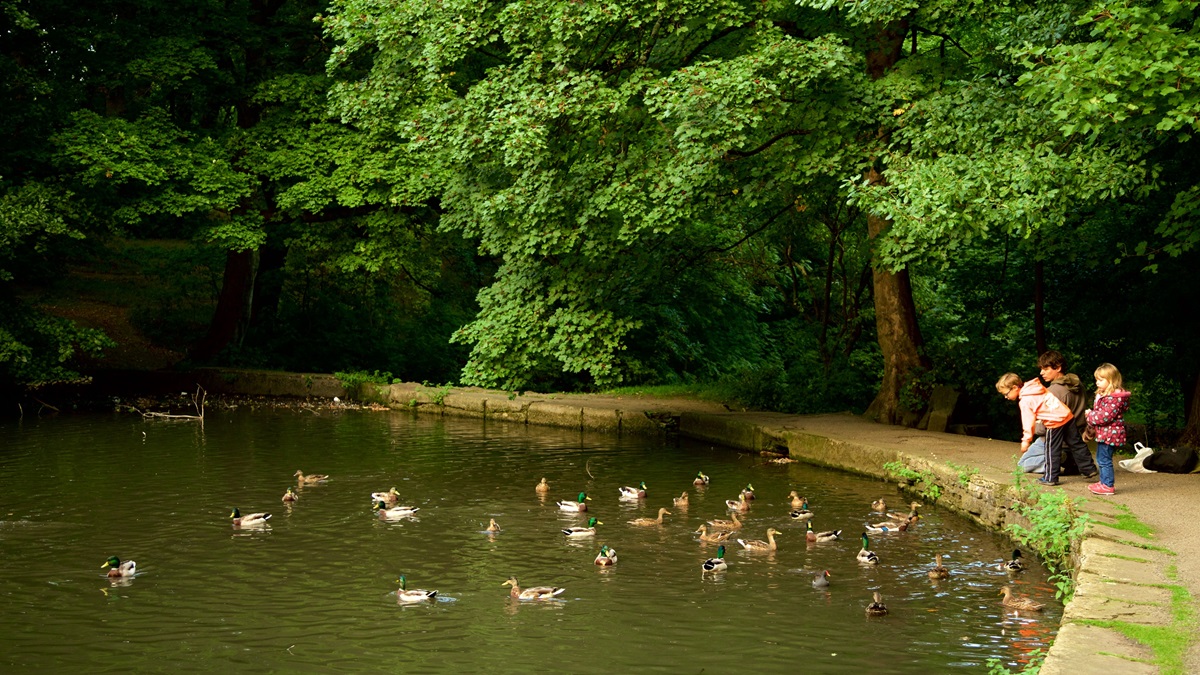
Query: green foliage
pixel 435 393
pixel 352 380
pixel 1032 667
pixel 927 482
pixel 1055 525
pixel 964 473
pixel 37 349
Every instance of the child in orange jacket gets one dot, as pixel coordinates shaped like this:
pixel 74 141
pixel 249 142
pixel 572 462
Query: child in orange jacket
pixel 1037 404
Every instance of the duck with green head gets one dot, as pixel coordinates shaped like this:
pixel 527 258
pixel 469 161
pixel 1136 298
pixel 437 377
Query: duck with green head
pixel 250 519
pixel 700 479
pixel 589 531
pixel 716 564
pixel 607 557
pixel 290 496
pixel 118 569
pixel 748 492
pixel 638 492
pixel 865 555
pixel 577 506
pixel 1015 565
pixel 406 595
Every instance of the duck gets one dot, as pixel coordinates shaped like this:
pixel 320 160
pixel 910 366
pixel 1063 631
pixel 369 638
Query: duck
pixel 250 519
pixel 607 557
pixel 414 595
pixel 542 487
pixel 493 526
pixel 821 580
pixel 577 506
pixel 865 555
pixel 647 522
pixel 748 492
pixel 390 497
pixel 799 508
pixel 896 515
pixel 290 496
pixel 937 571
pixel 716 564
pixel 118 569
pixel 1013 566
pixel 760 545
pixel 310 480
pixel 733 524
pixel 589 531
pixel 891 526
pixel 821 537
pixel 879 505
pixel 716 537
pixel 395 512
pixel 533 593
pixel 1019 602
pixel 877 608
pixel 638 492
pixel 681 501
pixel 700 479
pixel 797 501
pixel 739 505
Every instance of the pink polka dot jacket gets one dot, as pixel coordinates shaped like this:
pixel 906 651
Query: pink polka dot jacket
pixel 1108 417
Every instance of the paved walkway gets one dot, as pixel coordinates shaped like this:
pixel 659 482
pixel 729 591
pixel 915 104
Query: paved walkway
pixel 1121 575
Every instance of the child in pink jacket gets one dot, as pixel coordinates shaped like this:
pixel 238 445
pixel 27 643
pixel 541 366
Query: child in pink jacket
pixel 1107 418
pixel 1038 405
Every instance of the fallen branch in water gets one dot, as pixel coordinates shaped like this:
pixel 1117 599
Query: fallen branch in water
pixel 197 403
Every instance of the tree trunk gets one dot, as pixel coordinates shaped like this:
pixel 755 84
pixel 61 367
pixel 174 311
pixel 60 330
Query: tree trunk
pixel 895 311
pixel 232 315
pixel 899 336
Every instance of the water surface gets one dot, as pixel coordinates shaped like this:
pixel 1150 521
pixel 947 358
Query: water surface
pixel 316 590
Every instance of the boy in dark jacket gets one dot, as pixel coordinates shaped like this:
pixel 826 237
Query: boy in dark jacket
pixel 1069 389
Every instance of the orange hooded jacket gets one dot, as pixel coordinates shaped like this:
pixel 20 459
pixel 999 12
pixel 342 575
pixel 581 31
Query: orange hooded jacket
pixel 1037 404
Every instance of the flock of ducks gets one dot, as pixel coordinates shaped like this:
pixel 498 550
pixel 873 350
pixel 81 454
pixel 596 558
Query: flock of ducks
pixel 718 531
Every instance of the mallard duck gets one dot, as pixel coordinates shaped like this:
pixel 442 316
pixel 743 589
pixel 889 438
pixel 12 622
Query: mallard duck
pixel 250 519
pixel 395 512
pixel 493 526
pixel 896 515
pixel 534 593
pixel 682 500
pixel 290 496
pixel 542 487
pixel 797 501
pixel 1014 565
pixel 821 537
pixel 606 557
pixel 733 524
pixel 716 537
pixel 310 480
pixel 647 522
pixel 877 608
pixel 760 545
pixel 865 555
pixel 879 505
pixel 390 497
pixel 578 506
pixel 638 492
pixel 748 492
pixel 700 479
pixel 118 569
pixel 821 580
pixel 415 595
pixel 739 505
pixel 938 572
pixel 589 531
pixel 716 564
pixel 891 526
pixel 1019 602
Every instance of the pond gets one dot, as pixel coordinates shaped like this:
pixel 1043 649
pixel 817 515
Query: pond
pixel 315 590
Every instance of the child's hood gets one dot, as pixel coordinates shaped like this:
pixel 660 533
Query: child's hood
pixel 1032 388
pixel 1119 394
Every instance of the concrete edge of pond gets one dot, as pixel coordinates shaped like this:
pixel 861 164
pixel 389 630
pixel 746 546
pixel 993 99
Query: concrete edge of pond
pixel 1118 578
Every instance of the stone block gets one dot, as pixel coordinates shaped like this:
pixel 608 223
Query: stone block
pixel 1087 650
pixel 555 415
pixel 601 419
pixel 465 403
pixel 638 422
pixel 506 409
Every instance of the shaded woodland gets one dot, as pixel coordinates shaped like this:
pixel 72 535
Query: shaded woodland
pixel 806 206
